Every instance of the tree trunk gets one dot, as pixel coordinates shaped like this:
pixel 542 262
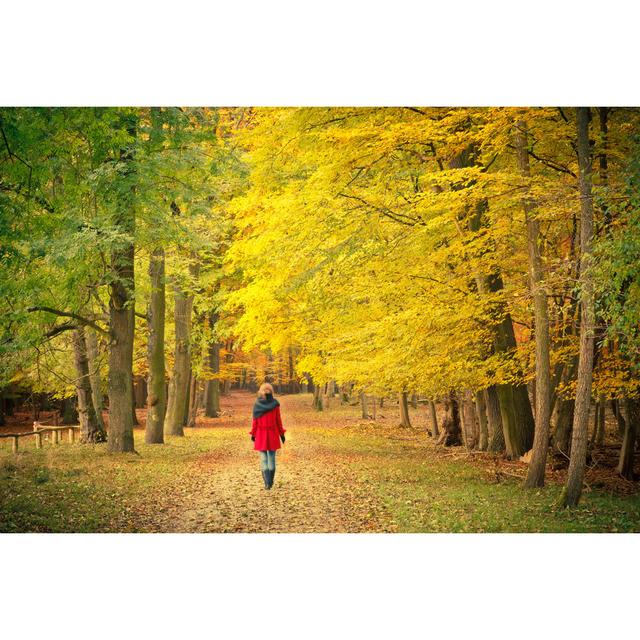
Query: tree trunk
pixel 434 420
pixel 317 398
pixel 69 411
pixel 363 405
pixel 578 460
pixel 537 466
pixel 468 420
pixel 194 402
pixel 325 395
pixel 291 382
pixel 515 408
pixel 228 358
pixel 90 429
pixel 625 462
pixel 481 412
pixel 596 423
pixel 156 385
pixel 564 413
pixel 404 410
pixel 516 417
pixel 212 395
pixel 121 314
pixel 212 399
pixel 603 115
pixel 494 420
pixel 140 392
pixel 615 409
pixel 187 400
pixel 451 433
pixel 602 404
pixel 175 417
pixel 91 342
pixel 564 425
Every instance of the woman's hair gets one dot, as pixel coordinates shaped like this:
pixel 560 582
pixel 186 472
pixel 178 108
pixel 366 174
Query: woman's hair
pixel 265 388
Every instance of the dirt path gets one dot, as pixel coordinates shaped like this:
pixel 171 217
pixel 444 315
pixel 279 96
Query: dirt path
pixel 315 489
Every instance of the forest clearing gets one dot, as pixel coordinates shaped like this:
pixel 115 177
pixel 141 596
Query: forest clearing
pixel 339 473
pixel 465 280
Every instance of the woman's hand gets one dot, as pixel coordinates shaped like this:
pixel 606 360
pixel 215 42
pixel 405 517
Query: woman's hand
pixel 282 438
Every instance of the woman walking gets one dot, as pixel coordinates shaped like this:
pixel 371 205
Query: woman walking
pixel 267 431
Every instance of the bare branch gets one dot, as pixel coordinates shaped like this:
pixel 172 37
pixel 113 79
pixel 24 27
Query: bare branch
pixel 75 316
pixel 385 211
pixel 552 164
pixel 61 328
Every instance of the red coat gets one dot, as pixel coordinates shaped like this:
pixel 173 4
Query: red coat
pixel 267 430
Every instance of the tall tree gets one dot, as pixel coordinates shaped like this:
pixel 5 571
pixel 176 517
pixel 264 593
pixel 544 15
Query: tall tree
pixel 434 419
pixel 481 411
pixel 404 409
pixel 156 398
pixel 91 430
pixel 536 471
pixel 579 440
pixel 627 451
pixel 176 414
pixel 122 303
pixel 91 340
pixel 212 389
pixel 494 421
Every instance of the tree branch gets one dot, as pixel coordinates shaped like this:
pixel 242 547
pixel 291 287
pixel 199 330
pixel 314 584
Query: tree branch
pixel 65 326
pixel 75 316
pixel 551 164
pixel 385 211
pixel 416 110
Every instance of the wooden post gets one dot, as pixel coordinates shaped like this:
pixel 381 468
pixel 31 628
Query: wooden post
pixel 38 441
pixel 71 432
pixel 55 436
pixel 14 445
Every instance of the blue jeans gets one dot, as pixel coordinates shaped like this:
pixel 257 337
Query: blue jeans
pixel 267 460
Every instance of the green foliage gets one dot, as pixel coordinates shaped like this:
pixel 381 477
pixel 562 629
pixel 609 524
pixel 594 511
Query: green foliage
pixel 618 268
pixel 65 174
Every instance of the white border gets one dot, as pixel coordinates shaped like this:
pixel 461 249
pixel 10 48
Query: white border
pixel 335 52
pixel 317 586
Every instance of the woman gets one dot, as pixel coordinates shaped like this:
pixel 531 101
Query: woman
pixel 266 428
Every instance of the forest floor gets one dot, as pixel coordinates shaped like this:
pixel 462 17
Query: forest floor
pixel 336 473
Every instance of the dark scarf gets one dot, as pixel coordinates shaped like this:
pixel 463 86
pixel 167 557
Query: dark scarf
pixel 264 405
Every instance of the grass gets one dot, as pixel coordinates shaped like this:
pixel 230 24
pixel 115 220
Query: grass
pixel 82 488
pixel 427 492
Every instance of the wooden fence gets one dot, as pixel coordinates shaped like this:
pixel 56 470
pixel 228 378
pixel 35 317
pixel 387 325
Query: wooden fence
pixel 38 430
